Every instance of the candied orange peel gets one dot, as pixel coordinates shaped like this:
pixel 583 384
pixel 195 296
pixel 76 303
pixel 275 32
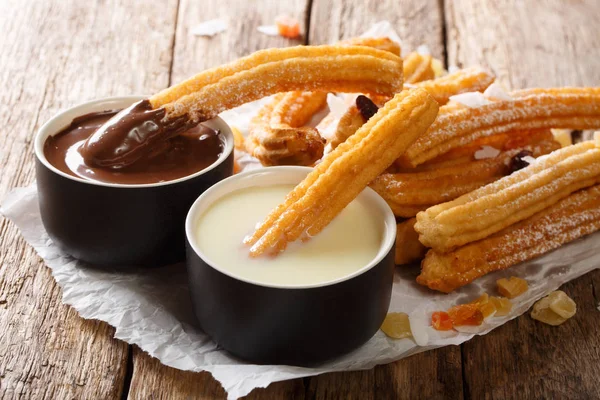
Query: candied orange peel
pixel 441 321
pixel 287 27
pixel 466 314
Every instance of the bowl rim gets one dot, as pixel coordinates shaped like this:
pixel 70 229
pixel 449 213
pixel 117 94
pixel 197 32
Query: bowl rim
pixel 387 243
pixel 55 124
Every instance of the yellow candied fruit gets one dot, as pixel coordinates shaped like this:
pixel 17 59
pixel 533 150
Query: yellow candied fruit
pixel 512 287
pixel 238 138
pixel 554 309
pixel 396 325
pixel 486 307
pixel 502 304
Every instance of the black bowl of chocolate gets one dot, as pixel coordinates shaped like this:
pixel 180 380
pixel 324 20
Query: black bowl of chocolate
pixel 124 215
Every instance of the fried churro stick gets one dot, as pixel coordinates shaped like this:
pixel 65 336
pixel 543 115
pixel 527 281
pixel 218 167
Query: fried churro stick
pixel 465 80
pixel 571 218
pixel 266 72
pixel 509 200
pixel 441 89
pixel 381 43
pixel 417 68
pixel 571 108
pixel 345 172
pixel 408 247
pixel 410 192
pixel 277 135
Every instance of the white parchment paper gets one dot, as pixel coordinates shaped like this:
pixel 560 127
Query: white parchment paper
pixel 151 307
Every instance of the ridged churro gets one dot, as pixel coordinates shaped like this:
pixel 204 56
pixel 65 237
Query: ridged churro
pixel 408 247
pixel 571 218
pixel 417 68
pixel 509 200
pixel 354 69
pixel 278 135
pixel 441 89
pixel 462 81
pixel 381 43
pixel 571 108
pixel 345 172
pixel 410 192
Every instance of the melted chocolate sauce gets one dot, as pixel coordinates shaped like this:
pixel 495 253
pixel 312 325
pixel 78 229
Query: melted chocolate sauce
pixel 131 134
pixel 190 151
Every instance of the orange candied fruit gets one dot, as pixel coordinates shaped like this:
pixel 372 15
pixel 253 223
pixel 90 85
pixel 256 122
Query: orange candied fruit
pixel 466 314
pixel 512 287
pixel 287 27
pixel 502 304
pixel 441 321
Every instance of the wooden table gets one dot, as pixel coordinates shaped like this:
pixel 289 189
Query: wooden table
pixel 55 53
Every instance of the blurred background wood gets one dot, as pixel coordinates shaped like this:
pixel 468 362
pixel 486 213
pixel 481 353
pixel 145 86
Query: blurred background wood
pixel 55 54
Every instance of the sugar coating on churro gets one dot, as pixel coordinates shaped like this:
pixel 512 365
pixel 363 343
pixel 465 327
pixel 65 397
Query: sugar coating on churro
pixel 571 218
pixel 573 108
pixel 345 172
pixel 355 69
pixel 511 199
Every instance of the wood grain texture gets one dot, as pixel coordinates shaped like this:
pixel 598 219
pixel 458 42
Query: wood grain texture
pixel 193 54
pixel 56 54
pixel 526 45
pixel 417 22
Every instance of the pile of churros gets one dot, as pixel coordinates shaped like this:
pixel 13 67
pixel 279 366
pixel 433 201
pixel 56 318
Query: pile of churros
pixel 476 186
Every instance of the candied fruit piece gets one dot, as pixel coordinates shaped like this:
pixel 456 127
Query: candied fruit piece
pixel 287 27
pixel 441 321
pixel 554 309
pixel 512 287
pixel 396 325
pixel 487 308
pixel 502 304
pixel 438 67
pixel 466 314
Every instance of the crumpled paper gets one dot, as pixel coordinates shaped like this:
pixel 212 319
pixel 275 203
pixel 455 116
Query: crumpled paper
pixel 151 308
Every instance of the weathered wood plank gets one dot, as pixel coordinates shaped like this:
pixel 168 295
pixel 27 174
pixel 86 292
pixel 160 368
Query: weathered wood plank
pixel 55 54
pixel 191 55
pixel 435 374
pixel 416 22
pixel 529 44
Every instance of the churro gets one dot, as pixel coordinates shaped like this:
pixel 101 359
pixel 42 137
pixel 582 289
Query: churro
pixel 576 108
pixel 511 199
pixel 381 43
pixel 569 219
pixel 417 68
pixel 408 247
pixel 465 80
pixel 354 69
pixel 410 192
pixel 278 135
pixel 345 172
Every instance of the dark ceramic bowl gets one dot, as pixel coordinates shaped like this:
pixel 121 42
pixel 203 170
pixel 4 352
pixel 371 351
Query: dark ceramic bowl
pixel 120 224
pixel 278 324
